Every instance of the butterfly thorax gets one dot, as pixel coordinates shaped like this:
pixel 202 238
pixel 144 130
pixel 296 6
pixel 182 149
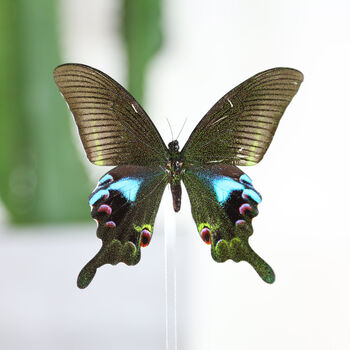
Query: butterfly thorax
pixel 174 167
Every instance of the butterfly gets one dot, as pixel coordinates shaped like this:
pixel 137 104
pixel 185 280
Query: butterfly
pixel 116 131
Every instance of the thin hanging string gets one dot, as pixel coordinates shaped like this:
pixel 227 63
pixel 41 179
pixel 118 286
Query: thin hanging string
pixel 170 275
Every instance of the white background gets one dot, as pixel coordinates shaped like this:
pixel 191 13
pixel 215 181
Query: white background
pixel 302 230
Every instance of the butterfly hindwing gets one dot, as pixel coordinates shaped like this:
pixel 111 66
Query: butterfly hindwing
pixel 224 202
pixel 124 205
pixel 113 127
pixel 239 128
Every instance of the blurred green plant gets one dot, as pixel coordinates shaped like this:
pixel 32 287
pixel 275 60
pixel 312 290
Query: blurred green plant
pixel 142 23
pixel 42 178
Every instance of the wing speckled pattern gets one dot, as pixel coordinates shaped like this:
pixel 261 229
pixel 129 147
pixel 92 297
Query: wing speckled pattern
pixel 224 202
pixel 124 205
pixel 239 128
pixel 113 127
pixel 115 130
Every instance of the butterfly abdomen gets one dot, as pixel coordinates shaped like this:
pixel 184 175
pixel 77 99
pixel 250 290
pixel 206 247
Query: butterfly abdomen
pixel 176 193
pixel 175 168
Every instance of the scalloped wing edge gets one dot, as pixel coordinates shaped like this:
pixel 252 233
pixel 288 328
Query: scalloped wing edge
pixel 239 250
pixel 113 252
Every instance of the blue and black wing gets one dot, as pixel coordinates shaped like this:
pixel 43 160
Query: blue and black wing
pixel 115 130
pixel 239 128
pixel 124 205
pixel 224 202
pixel 113 127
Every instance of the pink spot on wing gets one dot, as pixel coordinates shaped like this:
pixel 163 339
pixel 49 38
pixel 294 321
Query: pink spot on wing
pixel 132 245
pixel 244 207
pixel 240 223
pixel 105 209
pixel 110 224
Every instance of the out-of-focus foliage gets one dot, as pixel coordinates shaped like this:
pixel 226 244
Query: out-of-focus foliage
pixel 41 175
pixel 41 178
pixel 143 37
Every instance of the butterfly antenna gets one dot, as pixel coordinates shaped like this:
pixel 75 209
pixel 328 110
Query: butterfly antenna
pixel 183 125
pixel 171 130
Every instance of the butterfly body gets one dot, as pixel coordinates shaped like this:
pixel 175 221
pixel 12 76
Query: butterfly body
pixel 115 130
pixel 175 169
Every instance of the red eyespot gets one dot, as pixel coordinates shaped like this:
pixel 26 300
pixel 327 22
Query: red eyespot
pixel 145 237
pixel 205 234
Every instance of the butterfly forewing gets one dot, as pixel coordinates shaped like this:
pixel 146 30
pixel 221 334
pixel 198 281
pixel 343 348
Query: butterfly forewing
pixel 113 127
pixel 239 128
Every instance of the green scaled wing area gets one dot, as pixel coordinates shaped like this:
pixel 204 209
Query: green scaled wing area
pixel 239 128
pixel 124 205
pixel 224 202
pixel 113 127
